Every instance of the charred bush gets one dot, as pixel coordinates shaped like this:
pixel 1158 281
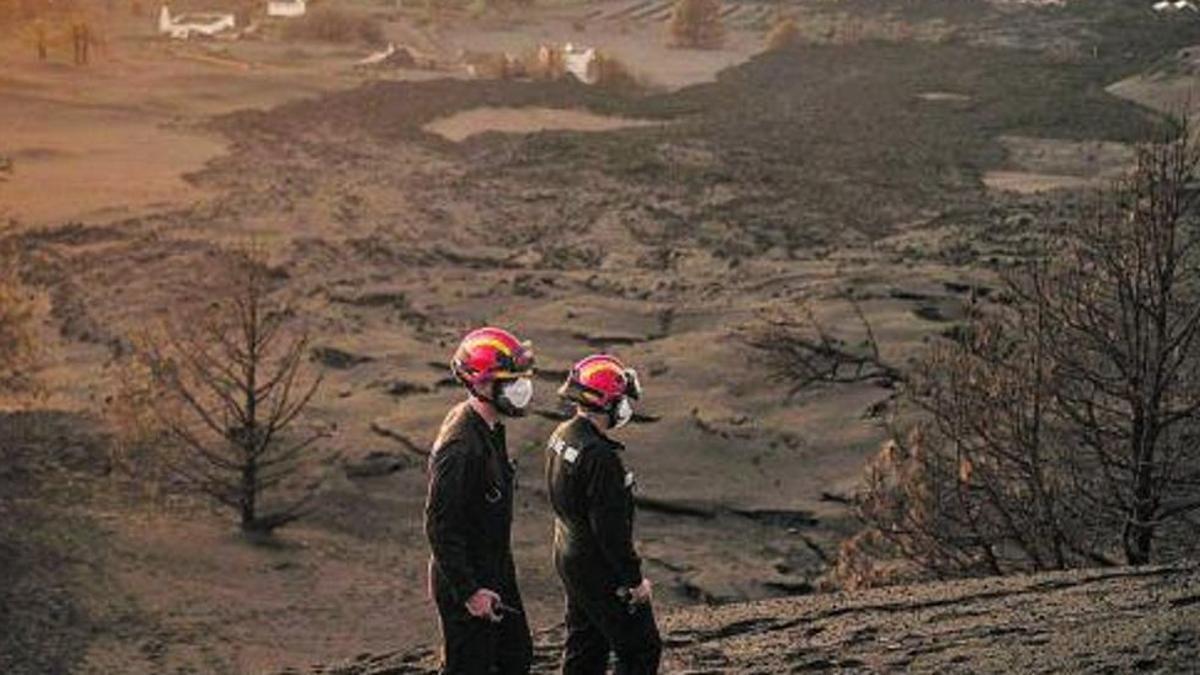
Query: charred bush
pixel 696 24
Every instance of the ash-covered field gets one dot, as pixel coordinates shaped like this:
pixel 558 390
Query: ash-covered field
pixel 804 178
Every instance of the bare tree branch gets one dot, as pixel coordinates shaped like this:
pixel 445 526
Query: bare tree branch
pixel 228 389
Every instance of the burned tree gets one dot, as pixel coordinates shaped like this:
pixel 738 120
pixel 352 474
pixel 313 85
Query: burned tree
pixel 785 33
pixel 1122 311
pixel 228 388
pixel 696 24
pixel 803 352
pixel 975 479
pixel 1058 427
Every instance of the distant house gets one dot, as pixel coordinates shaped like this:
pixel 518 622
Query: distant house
pixel 286 8
pixel 581 62
pixel 184 26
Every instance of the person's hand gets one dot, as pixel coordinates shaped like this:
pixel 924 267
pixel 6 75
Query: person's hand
pixel 642 593
pixel 482 605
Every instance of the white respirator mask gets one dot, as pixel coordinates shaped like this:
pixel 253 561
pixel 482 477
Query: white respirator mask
pixel 621 414
pixel 516 396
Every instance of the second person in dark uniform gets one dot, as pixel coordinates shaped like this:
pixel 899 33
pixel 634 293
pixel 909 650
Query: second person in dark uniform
pixel 608 599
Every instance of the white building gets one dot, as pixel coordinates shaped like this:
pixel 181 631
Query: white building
pixel 286 8
pixel 583 63
pixel 185 26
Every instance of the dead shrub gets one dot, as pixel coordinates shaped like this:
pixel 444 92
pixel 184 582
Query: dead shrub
pixel 18 345
pixel 330 24
pixel 614 75
pixel 696 24
pixel 784 33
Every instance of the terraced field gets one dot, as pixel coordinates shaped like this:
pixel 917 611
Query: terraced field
pixel 734 14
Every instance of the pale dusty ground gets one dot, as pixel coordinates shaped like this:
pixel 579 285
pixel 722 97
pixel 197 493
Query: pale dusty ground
pixel 101 163
pixel 462 125
pixel 116 139
pixel 1042 165
pixel 1170 89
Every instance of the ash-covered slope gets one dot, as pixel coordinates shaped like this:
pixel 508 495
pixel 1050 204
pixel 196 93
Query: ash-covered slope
pixel 1116 620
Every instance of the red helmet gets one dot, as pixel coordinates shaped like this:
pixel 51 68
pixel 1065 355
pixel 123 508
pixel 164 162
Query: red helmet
pixel 488 355
pixel 600 382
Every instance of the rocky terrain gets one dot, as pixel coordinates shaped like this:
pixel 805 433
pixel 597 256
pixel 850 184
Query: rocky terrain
pixel 1102 621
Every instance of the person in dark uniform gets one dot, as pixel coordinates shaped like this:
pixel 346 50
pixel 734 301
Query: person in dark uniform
pixel 608 599
pixel 469 510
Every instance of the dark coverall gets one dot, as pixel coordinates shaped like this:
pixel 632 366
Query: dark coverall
pixel 468 520
pixel 592 496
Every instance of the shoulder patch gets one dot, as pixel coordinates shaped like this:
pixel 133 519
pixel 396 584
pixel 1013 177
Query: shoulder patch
pixel 567 452
pixel 629 481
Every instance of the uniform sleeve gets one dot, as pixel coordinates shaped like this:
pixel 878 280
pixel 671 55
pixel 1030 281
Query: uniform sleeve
pixel 609 513
pixel 445 518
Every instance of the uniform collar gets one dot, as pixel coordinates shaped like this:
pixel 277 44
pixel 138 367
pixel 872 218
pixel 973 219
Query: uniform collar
pixel 588 428
pixel 480 424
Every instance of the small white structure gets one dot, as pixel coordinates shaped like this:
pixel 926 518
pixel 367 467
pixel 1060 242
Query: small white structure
pixel 379 56
pixel 1165 6
pixel 400 56
pixel 287 8
pixel 583 63
pixel 187 26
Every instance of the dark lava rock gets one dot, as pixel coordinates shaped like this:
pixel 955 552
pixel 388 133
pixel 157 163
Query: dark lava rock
pixel 377 463
pixel 332 357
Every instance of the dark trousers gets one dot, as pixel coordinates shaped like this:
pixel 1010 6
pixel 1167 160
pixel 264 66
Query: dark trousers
pixel 600 623
pixel 480 647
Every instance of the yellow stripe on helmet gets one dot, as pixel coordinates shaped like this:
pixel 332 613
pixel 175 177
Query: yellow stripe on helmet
pixel 484 341
pixel 510 375
pixel 598 367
